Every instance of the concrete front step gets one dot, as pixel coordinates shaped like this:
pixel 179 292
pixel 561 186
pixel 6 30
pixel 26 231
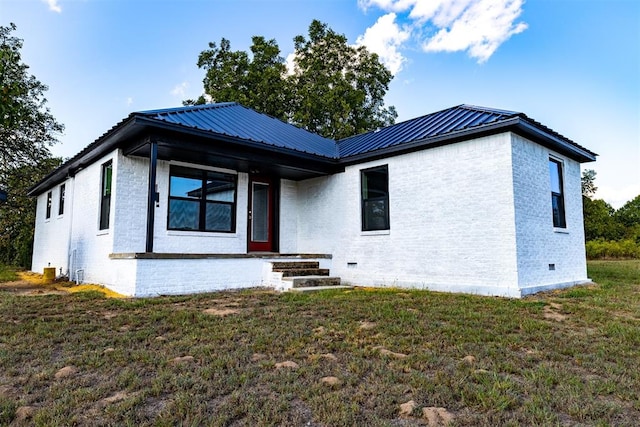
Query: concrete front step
pixel 319 288
pixel 296 272
pixel 289 265
pixel 312 281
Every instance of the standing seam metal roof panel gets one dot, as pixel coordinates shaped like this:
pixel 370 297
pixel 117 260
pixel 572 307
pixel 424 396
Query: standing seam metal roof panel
pixel 442 122
pixel 235 120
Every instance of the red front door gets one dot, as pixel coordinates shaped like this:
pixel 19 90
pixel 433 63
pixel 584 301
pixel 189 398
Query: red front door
pixel 261 214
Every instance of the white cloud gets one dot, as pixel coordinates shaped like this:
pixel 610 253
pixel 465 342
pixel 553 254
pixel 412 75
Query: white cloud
pixel 385 37
pixel 617 196
pixel 53 5
pixel 180 90
pixel 290 63
pixel 129 101
pixel 478 27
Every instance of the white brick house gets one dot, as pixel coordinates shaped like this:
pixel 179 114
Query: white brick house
pixel 194 199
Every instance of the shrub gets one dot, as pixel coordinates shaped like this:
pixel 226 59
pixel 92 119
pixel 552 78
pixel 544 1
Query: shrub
pixel 613 249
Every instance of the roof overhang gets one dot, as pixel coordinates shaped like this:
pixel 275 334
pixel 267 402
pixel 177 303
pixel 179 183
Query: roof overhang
pixel 175 142
pixel 189 144
pixel 194 145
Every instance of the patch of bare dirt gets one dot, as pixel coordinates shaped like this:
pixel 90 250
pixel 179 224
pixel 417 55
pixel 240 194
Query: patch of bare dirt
pixel 407 408
pixel 469 359
pixel 437 416
pixel 386 352
pixel 287 364
pixel 366 325
pixel 65 372
pixel 221 311
pixel 552 312
pixel 181 360
pixel 329 356
pixel 331 381
pixel 24 413
pixel 117 397
pixel 256 357
pixel 26 288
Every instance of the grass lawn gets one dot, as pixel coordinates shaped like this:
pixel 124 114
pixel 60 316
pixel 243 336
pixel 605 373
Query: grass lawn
pixel 7 274
pixel 563 358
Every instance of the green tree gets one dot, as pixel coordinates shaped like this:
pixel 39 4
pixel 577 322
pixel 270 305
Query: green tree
pixel 588 182
pixel 17 215
pixel 335 89
pixel 628 216
pixel 258 82
pixel 599 221
pixel 27 130
pixel 338 89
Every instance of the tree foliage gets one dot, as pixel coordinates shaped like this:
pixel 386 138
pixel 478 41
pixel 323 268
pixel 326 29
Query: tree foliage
pixel 588 183
pixel 17 215
pixel 27 130
pixel 257 82
pixel 599 221
pixel 334 89
pixel 338 89
pixel 609 232
pixel 629 214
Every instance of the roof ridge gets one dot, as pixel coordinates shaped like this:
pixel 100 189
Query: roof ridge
pixel 187 108
pixel 489 109
pixel 455 107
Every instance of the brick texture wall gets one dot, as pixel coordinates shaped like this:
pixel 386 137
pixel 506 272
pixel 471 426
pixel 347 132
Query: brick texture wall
pixel 470 217
pixel 451 214
pixel 538 243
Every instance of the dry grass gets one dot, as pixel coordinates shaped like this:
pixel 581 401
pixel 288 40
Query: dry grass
pixel 561 358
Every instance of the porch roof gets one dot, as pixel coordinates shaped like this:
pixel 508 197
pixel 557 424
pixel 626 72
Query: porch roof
pixel 231 119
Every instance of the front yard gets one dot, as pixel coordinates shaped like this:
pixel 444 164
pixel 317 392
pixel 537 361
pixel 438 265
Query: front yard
pixel 361 357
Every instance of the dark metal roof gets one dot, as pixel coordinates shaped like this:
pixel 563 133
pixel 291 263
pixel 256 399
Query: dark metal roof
pixel 244 138
pixel 235 120
pixel 444 125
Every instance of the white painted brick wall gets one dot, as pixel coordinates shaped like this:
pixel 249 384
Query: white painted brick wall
pixel 130 208
pixel 288 216
pixel 451 214
pixel 90 247
pixel 169 241
pixel 538 243
pixel 51 236
pixel 455 220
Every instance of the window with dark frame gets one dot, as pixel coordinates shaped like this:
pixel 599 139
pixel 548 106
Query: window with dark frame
pixel 375 198
pixel 557 193
pixel 105 201
pixel 61 200
pixel 201 200
pixel 49 201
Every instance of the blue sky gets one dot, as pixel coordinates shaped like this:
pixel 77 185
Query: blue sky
pixel 572 65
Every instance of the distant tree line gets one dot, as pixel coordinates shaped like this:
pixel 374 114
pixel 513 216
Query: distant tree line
pixel 609 233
